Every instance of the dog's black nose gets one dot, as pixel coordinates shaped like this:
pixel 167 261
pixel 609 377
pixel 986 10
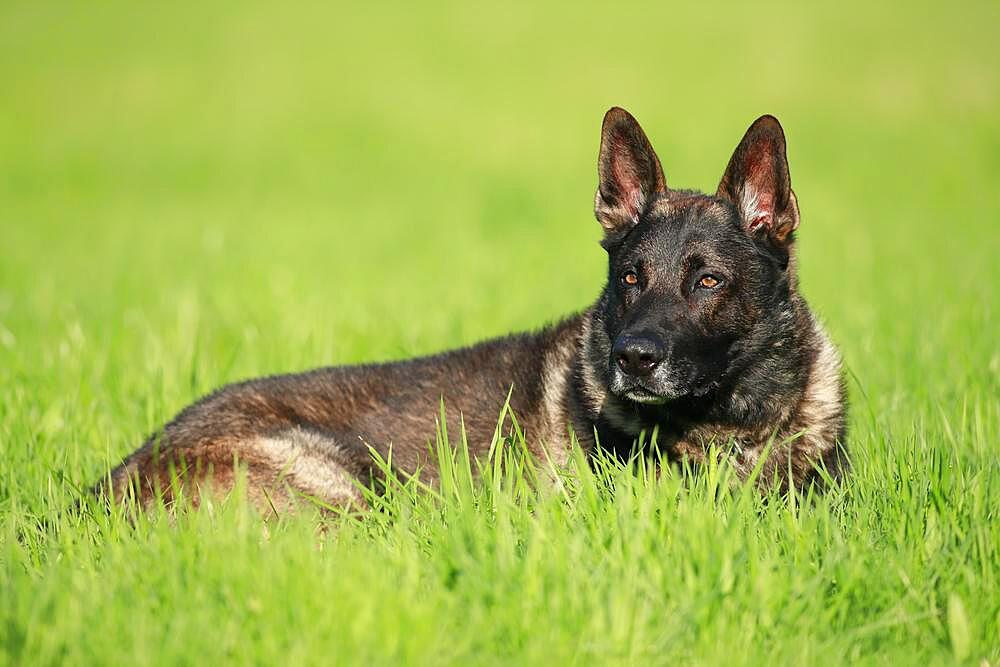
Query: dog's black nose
pixel 638 354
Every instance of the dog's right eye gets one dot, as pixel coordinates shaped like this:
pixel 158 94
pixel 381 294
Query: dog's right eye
pixel 630 279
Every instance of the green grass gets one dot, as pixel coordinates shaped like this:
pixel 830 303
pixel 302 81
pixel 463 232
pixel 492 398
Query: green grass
pixel 191 194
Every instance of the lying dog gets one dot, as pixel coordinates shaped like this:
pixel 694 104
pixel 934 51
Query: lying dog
pixel 700 332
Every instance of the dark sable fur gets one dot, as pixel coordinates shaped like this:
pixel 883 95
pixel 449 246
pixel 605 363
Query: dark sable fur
pixel 741 365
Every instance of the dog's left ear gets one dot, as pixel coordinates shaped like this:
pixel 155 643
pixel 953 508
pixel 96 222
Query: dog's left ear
pixel 629 173
pixel 757 181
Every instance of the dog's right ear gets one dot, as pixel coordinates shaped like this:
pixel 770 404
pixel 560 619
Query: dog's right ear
pixel 629 173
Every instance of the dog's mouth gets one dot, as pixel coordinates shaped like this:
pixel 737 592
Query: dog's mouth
pixel 664 385
pixel 645 396
pixel 659 388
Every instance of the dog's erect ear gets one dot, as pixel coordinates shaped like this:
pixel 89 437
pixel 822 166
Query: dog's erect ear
pixel 628 170
pixel 757 181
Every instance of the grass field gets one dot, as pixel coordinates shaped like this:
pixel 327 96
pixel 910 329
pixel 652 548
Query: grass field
pixel 194 193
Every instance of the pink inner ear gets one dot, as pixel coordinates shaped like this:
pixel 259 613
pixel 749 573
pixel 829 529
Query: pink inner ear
pixel 625 177
pixel 757 206
pixel 757 200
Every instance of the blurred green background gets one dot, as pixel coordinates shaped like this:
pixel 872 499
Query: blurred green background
pixel 195 192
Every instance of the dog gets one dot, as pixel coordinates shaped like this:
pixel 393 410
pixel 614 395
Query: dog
pixel 700 333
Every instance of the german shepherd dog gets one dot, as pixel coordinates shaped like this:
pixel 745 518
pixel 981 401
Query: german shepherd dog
pixel 700 333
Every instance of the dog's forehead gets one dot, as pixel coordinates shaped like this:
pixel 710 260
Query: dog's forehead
pixel 685 206
pixel 683 223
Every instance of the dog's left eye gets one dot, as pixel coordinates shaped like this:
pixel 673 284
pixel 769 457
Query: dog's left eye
pixel 709 281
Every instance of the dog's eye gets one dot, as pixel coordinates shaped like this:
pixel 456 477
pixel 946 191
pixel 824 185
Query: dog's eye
pixel 630 278
pixel 708 281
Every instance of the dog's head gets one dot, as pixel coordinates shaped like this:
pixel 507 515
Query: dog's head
pixel 697 283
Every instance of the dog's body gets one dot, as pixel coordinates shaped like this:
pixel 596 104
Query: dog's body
pixel 700 333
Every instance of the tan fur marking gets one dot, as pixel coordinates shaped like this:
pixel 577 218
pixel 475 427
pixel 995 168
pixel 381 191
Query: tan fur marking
pixel 823 396
pixel 305 461
pixel 556 370
pixel 820 412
